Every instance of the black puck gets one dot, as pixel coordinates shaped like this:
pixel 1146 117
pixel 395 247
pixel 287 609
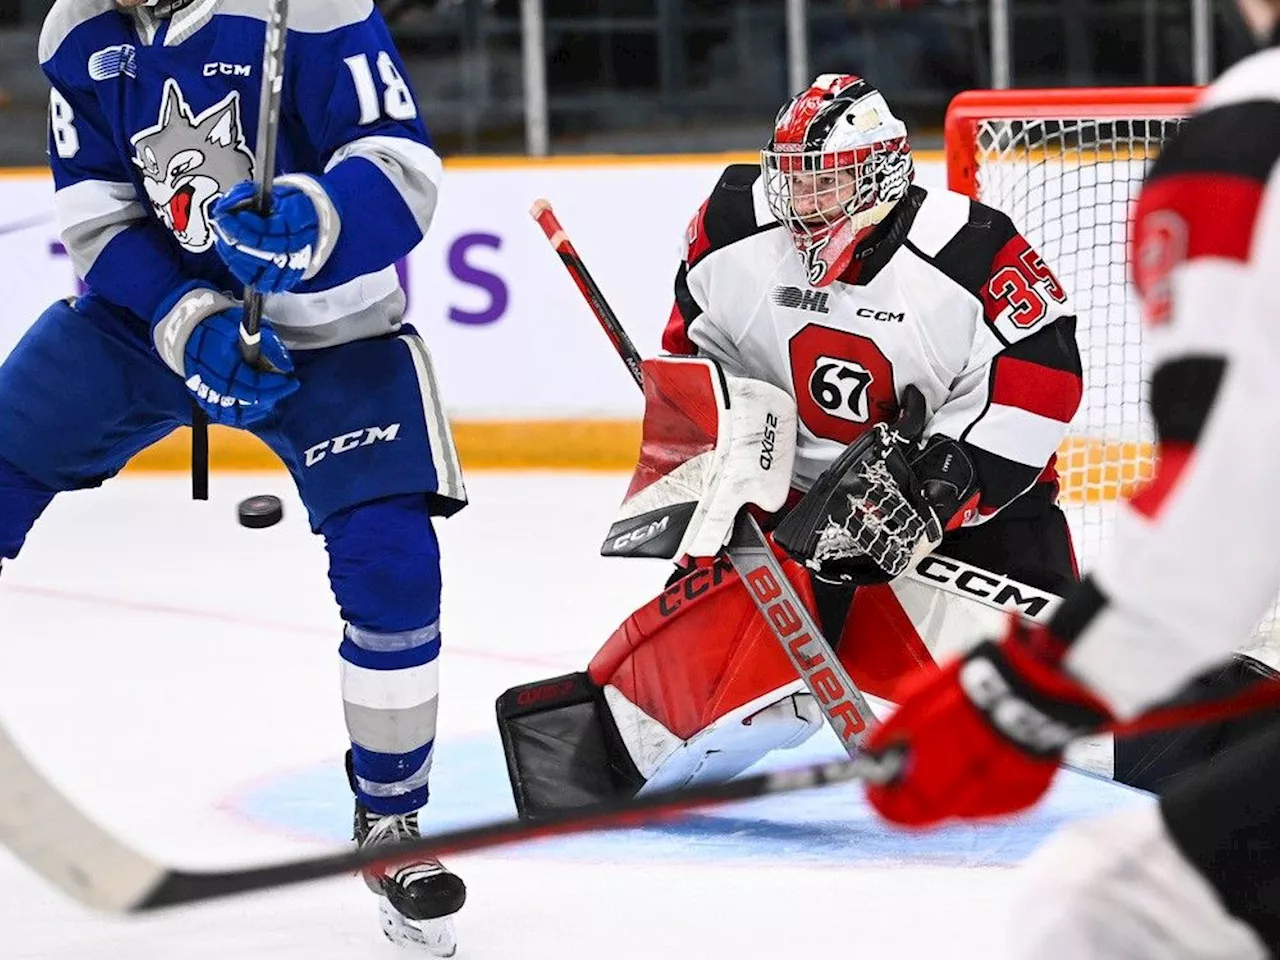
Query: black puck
pixel 261 512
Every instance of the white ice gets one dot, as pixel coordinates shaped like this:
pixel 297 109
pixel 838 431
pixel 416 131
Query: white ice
pixel 177 676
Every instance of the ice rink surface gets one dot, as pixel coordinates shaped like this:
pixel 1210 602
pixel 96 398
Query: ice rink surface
pixel 177 675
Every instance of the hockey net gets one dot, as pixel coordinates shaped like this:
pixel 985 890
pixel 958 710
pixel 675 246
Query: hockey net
pixel 1066 166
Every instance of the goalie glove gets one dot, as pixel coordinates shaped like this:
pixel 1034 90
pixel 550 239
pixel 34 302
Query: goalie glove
pixel 883 503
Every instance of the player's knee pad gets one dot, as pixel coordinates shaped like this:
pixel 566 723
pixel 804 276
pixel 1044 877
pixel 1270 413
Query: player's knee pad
pixel 692 686
pixel 22 500
pixel 385 572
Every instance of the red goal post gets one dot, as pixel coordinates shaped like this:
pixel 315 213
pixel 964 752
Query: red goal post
pixel 969 109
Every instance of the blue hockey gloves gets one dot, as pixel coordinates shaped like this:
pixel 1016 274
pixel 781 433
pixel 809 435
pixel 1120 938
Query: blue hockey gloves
pixel 198 336
pixel 276 252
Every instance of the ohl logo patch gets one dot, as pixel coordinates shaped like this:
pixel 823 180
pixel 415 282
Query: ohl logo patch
pixel 797 299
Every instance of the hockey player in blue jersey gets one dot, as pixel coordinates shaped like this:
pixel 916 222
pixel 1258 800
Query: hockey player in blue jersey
pixel 152 121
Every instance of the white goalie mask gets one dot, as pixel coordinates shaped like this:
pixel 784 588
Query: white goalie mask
pixel 838 162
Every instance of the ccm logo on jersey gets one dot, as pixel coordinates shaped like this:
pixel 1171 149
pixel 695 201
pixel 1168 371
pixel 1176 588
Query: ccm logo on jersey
pixel 768 442
pixel 962 578
pixel 797 299
pixel 883 316
pixel 228 70
pixel 350 441
pixel 812 665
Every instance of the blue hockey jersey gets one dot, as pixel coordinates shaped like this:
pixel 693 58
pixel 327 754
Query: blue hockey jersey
pixel 152 120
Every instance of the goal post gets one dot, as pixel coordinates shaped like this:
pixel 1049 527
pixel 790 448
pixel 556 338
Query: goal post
pixel 974 113
pixel 1066 166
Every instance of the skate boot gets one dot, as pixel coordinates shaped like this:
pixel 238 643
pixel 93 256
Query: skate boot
pixel 416 900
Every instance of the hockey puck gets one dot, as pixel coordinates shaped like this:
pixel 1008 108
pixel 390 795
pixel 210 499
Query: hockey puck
pixel 261 512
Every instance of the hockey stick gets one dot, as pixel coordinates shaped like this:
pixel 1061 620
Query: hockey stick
pixel 58 841
pixel 50 835
pixel 265 161
pixel 786 616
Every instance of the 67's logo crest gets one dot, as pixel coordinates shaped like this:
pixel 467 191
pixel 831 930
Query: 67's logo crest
pixel 843 382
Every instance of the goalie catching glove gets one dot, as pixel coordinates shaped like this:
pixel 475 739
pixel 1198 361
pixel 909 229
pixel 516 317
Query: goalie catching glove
pixel 984 736
pixel 883 503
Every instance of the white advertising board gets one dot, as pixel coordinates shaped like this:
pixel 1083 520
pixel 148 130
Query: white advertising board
pixel 510 334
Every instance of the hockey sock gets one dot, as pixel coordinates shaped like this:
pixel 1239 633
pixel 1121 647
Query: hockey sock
pixel 384 567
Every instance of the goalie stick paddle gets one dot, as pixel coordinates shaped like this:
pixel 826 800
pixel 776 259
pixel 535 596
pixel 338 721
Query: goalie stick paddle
pixel 788 619
pixel 265 160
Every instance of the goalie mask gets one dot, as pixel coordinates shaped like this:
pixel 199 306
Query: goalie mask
pixel 837 163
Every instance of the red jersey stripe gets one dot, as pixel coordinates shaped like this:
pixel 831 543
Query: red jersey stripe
pixel 675 336
pixel 1171 461
pixel 1037 389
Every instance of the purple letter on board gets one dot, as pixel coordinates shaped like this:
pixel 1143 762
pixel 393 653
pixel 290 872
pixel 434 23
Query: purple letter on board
pixel 491 283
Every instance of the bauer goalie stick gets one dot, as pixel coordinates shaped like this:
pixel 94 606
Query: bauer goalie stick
pixel 788 619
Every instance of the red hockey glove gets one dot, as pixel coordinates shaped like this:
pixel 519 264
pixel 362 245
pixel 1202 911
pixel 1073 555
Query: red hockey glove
pixel 983 736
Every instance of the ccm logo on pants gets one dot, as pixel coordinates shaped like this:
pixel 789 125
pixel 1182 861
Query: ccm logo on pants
pixel 350 441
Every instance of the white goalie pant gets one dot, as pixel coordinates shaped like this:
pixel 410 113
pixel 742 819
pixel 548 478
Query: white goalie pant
pixel 1117 888
pixel 779 720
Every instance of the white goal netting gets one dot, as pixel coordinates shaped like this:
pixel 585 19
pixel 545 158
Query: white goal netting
pixel 1069 184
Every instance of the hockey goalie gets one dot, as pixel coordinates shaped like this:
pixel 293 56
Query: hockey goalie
pixel 882 373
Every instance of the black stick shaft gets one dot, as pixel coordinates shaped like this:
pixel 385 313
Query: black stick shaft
pixel 542 213
pixel 265 160
pixel 180 887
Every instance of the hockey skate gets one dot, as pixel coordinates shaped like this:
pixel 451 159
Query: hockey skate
pixel 416 900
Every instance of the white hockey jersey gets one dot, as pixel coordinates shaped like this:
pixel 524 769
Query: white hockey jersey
pixel 946 295
pixel 1196 556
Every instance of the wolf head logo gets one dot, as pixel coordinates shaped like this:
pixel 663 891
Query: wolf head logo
pixel 189 161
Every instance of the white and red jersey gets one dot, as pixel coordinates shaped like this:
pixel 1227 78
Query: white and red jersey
pixel 945 295
pixel 1196 556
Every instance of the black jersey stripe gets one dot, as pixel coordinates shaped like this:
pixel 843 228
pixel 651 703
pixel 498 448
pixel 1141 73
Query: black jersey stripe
pixel 1182 395
pixel 1251 129
pixel 730 213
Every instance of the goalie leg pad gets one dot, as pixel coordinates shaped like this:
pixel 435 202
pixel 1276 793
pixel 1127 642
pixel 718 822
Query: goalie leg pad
pixel 692 687
pixel 561 747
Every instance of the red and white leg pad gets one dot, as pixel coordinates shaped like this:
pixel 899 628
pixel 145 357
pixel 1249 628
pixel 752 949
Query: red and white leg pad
pixel 777 720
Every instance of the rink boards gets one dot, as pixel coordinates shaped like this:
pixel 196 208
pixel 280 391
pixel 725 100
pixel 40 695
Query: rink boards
pixel 526 375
